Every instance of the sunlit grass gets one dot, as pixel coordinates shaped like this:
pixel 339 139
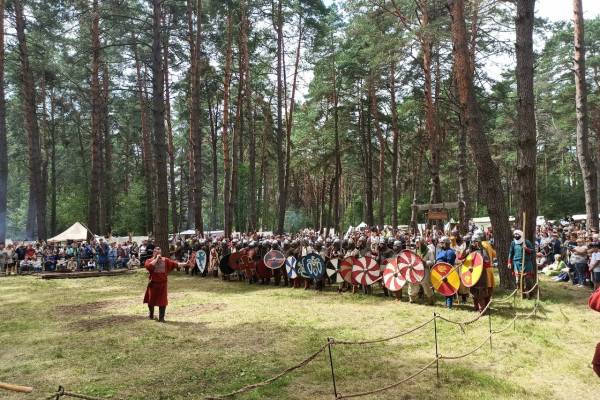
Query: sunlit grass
pixel 92 336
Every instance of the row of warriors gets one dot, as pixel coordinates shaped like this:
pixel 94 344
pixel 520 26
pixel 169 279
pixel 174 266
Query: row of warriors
pixel 452 250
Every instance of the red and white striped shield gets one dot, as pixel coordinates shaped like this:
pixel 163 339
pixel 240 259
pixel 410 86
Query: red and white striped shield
pixel 392 278
pixel 365 271
pixel 346 269
pixel 411 266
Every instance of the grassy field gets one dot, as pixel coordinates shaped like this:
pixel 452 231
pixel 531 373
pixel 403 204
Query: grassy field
pixel 92 336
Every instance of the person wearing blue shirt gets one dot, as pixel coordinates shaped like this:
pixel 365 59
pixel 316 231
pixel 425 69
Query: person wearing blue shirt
pixel 448 255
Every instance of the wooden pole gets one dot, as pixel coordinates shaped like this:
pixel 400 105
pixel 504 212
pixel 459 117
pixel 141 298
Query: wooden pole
pixel 523 247
pixel 16 388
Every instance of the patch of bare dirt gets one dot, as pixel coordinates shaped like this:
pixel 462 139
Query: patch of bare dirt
pixel 81 309
pixel 98 307
pixel 91 324
pixel 198 309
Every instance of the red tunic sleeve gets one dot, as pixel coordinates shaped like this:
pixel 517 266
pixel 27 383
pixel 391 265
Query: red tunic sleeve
pixel 170 265
pixel 148 264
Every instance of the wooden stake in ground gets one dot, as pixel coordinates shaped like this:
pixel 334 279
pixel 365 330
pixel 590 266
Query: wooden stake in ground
pixel 523 247
pixel 16 388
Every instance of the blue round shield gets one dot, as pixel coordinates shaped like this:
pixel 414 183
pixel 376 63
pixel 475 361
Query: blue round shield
pixel 313 266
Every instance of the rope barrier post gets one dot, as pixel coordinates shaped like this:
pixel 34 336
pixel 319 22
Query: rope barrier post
pixel 437 355
pixel 515 308
pixel 59 392
pixel 329 341
pixel 490 326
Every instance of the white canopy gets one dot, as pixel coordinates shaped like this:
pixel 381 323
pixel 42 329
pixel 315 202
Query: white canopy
pixel 76 232
pixel 580 217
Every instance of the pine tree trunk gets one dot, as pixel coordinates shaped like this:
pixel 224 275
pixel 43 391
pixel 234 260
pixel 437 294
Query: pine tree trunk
pixel 527 143
pixel 396 134
pixel 196 130
pixel 53 180
pixel 146 147
pixel 364 129
pixel 430 108
pixel 106 204
pixel 225 136
pixel 161 218
pixel 238 128
pixel 486 168
pixel 338 159
pixel 170 149
pixel 191 209
pixel 267 133
pixel 38 209
pixel 281 204
pixel 3 141
pixel 379 133
pixel 96 150
pixel 290 114
pixel 369 168
pixel 250 116
pixel 213 120
pixel 463 179
pixel 583 146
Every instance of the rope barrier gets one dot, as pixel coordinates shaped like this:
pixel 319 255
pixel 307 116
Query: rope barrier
pixel 247 388
pixel 362 342
pixel 462 324
pixel 62 392
pixel 532 289
pixel 456 357
pixel 393 385
pixel 506 298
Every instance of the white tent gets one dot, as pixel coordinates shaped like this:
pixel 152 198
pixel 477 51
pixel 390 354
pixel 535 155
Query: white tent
pixel 76 232
pixel 580 217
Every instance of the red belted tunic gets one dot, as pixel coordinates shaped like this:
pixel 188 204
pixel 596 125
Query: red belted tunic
pixel 156 292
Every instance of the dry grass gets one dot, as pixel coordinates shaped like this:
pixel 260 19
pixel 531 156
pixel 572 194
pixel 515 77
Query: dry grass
pixel 92 336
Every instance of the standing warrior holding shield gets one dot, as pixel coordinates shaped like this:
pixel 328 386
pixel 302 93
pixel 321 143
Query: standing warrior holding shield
pixel 448 255
pixel 483 288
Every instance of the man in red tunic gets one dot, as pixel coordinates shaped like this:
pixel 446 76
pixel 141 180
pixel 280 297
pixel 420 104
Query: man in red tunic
pixel 156 292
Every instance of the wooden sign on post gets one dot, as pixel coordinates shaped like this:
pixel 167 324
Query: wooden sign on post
pixel 437 215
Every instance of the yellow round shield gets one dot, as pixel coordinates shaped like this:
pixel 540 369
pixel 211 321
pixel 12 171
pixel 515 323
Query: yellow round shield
pixel 445 279
pixel 471 269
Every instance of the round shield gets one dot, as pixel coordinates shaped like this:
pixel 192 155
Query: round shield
pixel 445 279
pixel 262 271
pixel 247 264
pixel 201 260
pixel 332 269
pixel 274 259
pixel 346 269
pixel 235 260
pixel 224 265
pixel 411 266
pixel 290 267
pixel 365 271
pixel 313 266
pixel 471 269
pixel 392 278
